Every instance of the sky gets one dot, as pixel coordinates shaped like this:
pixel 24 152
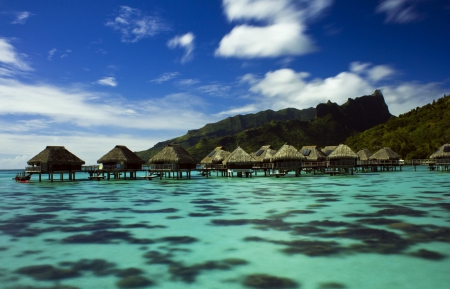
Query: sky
pixel 89 75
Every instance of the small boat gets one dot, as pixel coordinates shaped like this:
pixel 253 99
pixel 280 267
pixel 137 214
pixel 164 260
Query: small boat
pixel 21 177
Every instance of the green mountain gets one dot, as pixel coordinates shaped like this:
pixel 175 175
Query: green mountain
pixel 413 135
pixel 230 126
pixel 332 125
pixel 327 124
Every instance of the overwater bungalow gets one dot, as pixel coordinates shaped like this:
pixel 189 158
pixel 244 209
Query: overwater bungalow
pixel 288 158
pixel 173 160
pixel 118 160
pixel 442 157
pixel 54 160
pixel 213 161
pixel 386 159
pixel 342 159
pixel 240 162
pixel 364 157
pixel 315 158
pixel 328 150
pixel 263 158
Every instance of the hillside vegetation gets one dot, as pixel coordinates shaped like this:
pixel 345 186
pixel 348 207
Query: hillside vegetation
pixel 231 126
pixel 327 124
pixel 414 135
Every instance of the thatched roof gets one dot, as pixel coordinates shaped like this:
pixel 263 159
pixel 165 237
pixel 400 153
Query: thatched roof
pixel 313 153
pixel 56 155
pixel 442 152
pixel 121 154
pixel 343 152
pixel 287 153
pixel 216 156
pixel 264 154
pixel 173 153
pixel 364 154
pixel 239 157
pixel 385 154
pixel 328 150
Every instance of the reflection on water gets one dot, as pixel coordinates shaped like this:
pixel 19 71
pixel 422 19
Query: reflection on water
pixel 373 230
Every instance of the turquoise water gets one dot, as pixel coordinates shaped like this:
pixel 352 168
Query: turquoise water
pixel 370 230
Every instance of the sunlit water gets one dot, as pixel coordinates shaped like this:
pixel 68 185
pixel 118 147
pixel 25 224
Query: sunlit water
pixel 370 230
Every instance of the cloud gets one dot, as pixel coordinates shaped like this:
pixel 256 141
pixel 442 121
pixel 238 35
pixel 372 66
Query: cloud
pixel 185 41
pixel 22 147
pixel 21 17
pixel 282 31
pixel 11 62
pixel 51 107
pixel 215 89
pixel 287 88
pixel 135 25
pixel 51 53
pixel 165 77
pixel 399 11
pixel 188 81
pixel 108 81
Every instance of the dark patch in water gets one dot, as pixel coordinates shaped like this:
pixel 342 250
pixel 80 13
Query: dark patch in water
pixel 99 267
pixel 327 223
pixel 134 282
pixel 290 213
pixel 265 281
pixel 47 272
pixel 178 240
pixel 202 201
pixel 98 237
pixel 168 210
pixel 200 215
pixel 427 254
pixel 331 285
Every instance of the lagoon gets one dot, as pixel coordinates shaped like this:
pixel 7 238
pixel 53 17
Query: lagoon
pixel 369 230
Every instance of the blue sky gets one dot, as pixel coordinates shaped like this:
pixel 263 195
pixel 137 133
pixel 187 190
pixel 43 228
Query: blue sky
pixel 93 74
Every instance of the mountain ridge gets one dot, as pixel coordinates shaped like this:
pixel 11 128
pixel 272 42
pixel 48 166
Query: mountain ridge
pixel 327 124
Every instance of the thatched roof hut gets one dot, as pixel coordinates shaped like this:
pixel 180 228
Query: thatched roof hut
pixel 364 154
pixel 239 158
pixel 264 154
pixel 217 156
pixel 287 153
pixel 342 152
pixel 173 154
pixel 123 156
pixel 313 154
pixel 385 154
pixel 442 153
pixel 328 150
pixel 56 158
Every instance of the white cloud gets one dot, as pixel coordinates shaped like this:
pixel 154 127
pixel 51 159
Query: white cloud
pixel 11 62
pixel 135 25
pixel 239 110
pixel 108 81
pixel 215 89
pixel 399 11
pixel 21 148
pixel 51 53
pixel 188 81
pixel 185 41
pixel 79 107
pixel 283 29
pixel 165 77
pixel 287 88
pixel 21 17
